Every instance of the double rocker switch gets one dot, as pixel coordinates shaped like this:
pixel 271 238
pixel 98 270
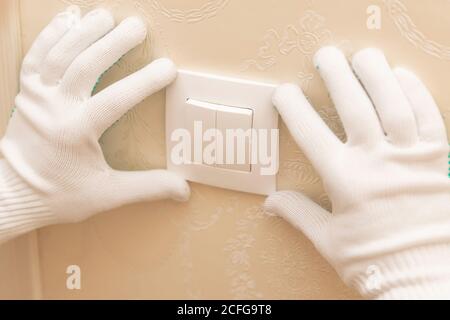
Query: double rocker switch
pixel 227 120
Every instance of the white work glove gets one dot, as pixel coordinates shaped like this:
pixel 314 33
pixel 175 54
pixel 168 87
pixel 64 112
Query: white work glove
pixel 389 233
pixel 53 169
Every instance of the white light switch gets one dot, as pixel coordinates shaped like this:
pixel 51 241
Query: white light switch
pixel 200 116
pixel 222 103
pixel 236 152
pixel 231 123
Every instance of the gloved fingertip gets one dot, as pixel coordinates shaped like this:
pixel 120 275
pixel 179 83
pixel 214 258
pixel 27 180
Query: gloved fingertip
pixel 327 54
pixel 181 192
pixel 166 65
pixel 69 17
pixel 165 69
pixel 366 55
pixel 272 204
pixel 283 92
pixel 101 15
pixel 73 10
pixel 404 72
pixel 176 188
pixel 137 26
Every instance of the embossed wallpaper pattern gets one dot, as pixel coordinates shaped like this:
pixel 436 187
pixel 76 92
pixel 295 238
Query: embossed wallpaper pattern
pixel 220 244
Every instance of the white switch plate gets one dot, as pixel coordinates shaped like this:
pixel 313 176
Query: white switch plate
pixel 221 91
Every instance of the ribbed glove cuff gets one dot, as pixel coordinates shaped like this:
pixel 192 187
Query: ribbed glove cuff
pixel 21 208
pixel 419 273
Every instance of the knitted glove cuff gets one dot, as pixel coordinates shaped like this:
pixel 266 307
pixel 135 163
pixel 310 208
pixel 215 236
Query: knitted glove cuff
pixel 417 273
pixel 21 207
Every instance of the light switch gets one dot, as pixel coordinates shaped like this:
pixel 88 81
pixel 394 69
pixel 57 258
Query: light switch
pixel 200 116
pixel 236 151
pixel 222 103
pixel 234 127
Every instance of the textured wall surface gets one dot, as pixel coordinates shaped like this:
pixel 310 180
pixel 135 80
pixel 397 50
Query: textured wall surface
pixel 19 264
pixel 220 244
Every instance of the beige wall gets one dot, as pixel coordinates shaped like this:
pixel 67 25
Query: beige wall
pixel 19 264
pixel 220 244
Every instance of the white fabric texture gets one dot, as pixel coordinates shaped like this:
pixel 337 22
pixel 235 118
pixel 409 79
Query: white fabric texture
pixel 52 158
pixel 389 231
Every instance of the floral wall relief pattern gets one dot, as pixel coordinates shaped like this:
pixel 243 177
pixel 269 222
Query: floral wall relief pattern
pixel 135 120
pixel 284 253
pixel 238 247
pixel 208 10
pixel 398 12
pixel 301 39
pixel 305 37
pixel 134 125
pixel 205 216
pixel 253 255
pixel 84 3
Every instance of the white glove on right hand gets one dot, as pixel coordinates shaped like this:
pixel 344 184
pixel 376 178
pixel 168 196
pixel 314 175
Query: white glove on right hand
pixel 389 233
pixel 54 170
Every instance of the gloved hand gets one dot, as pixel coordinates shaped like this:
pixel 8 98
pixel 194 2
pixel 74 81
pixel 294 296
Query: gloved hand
pixel 54 170
pixel 389 231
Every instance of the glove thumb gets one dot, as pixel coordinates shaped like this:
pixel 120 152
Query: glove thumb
pixel 137 186
pixel 303 213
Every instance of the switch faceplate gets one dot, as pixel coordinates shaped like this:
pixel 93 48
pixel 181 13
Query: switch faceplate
pixel 222 118
pixel 196 111
pixel 237 119
pixel 224 115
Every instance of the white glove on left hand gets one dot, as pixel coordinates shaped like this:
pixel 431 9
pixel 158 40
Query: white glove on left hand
pixel 54 170
pixel 389 231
